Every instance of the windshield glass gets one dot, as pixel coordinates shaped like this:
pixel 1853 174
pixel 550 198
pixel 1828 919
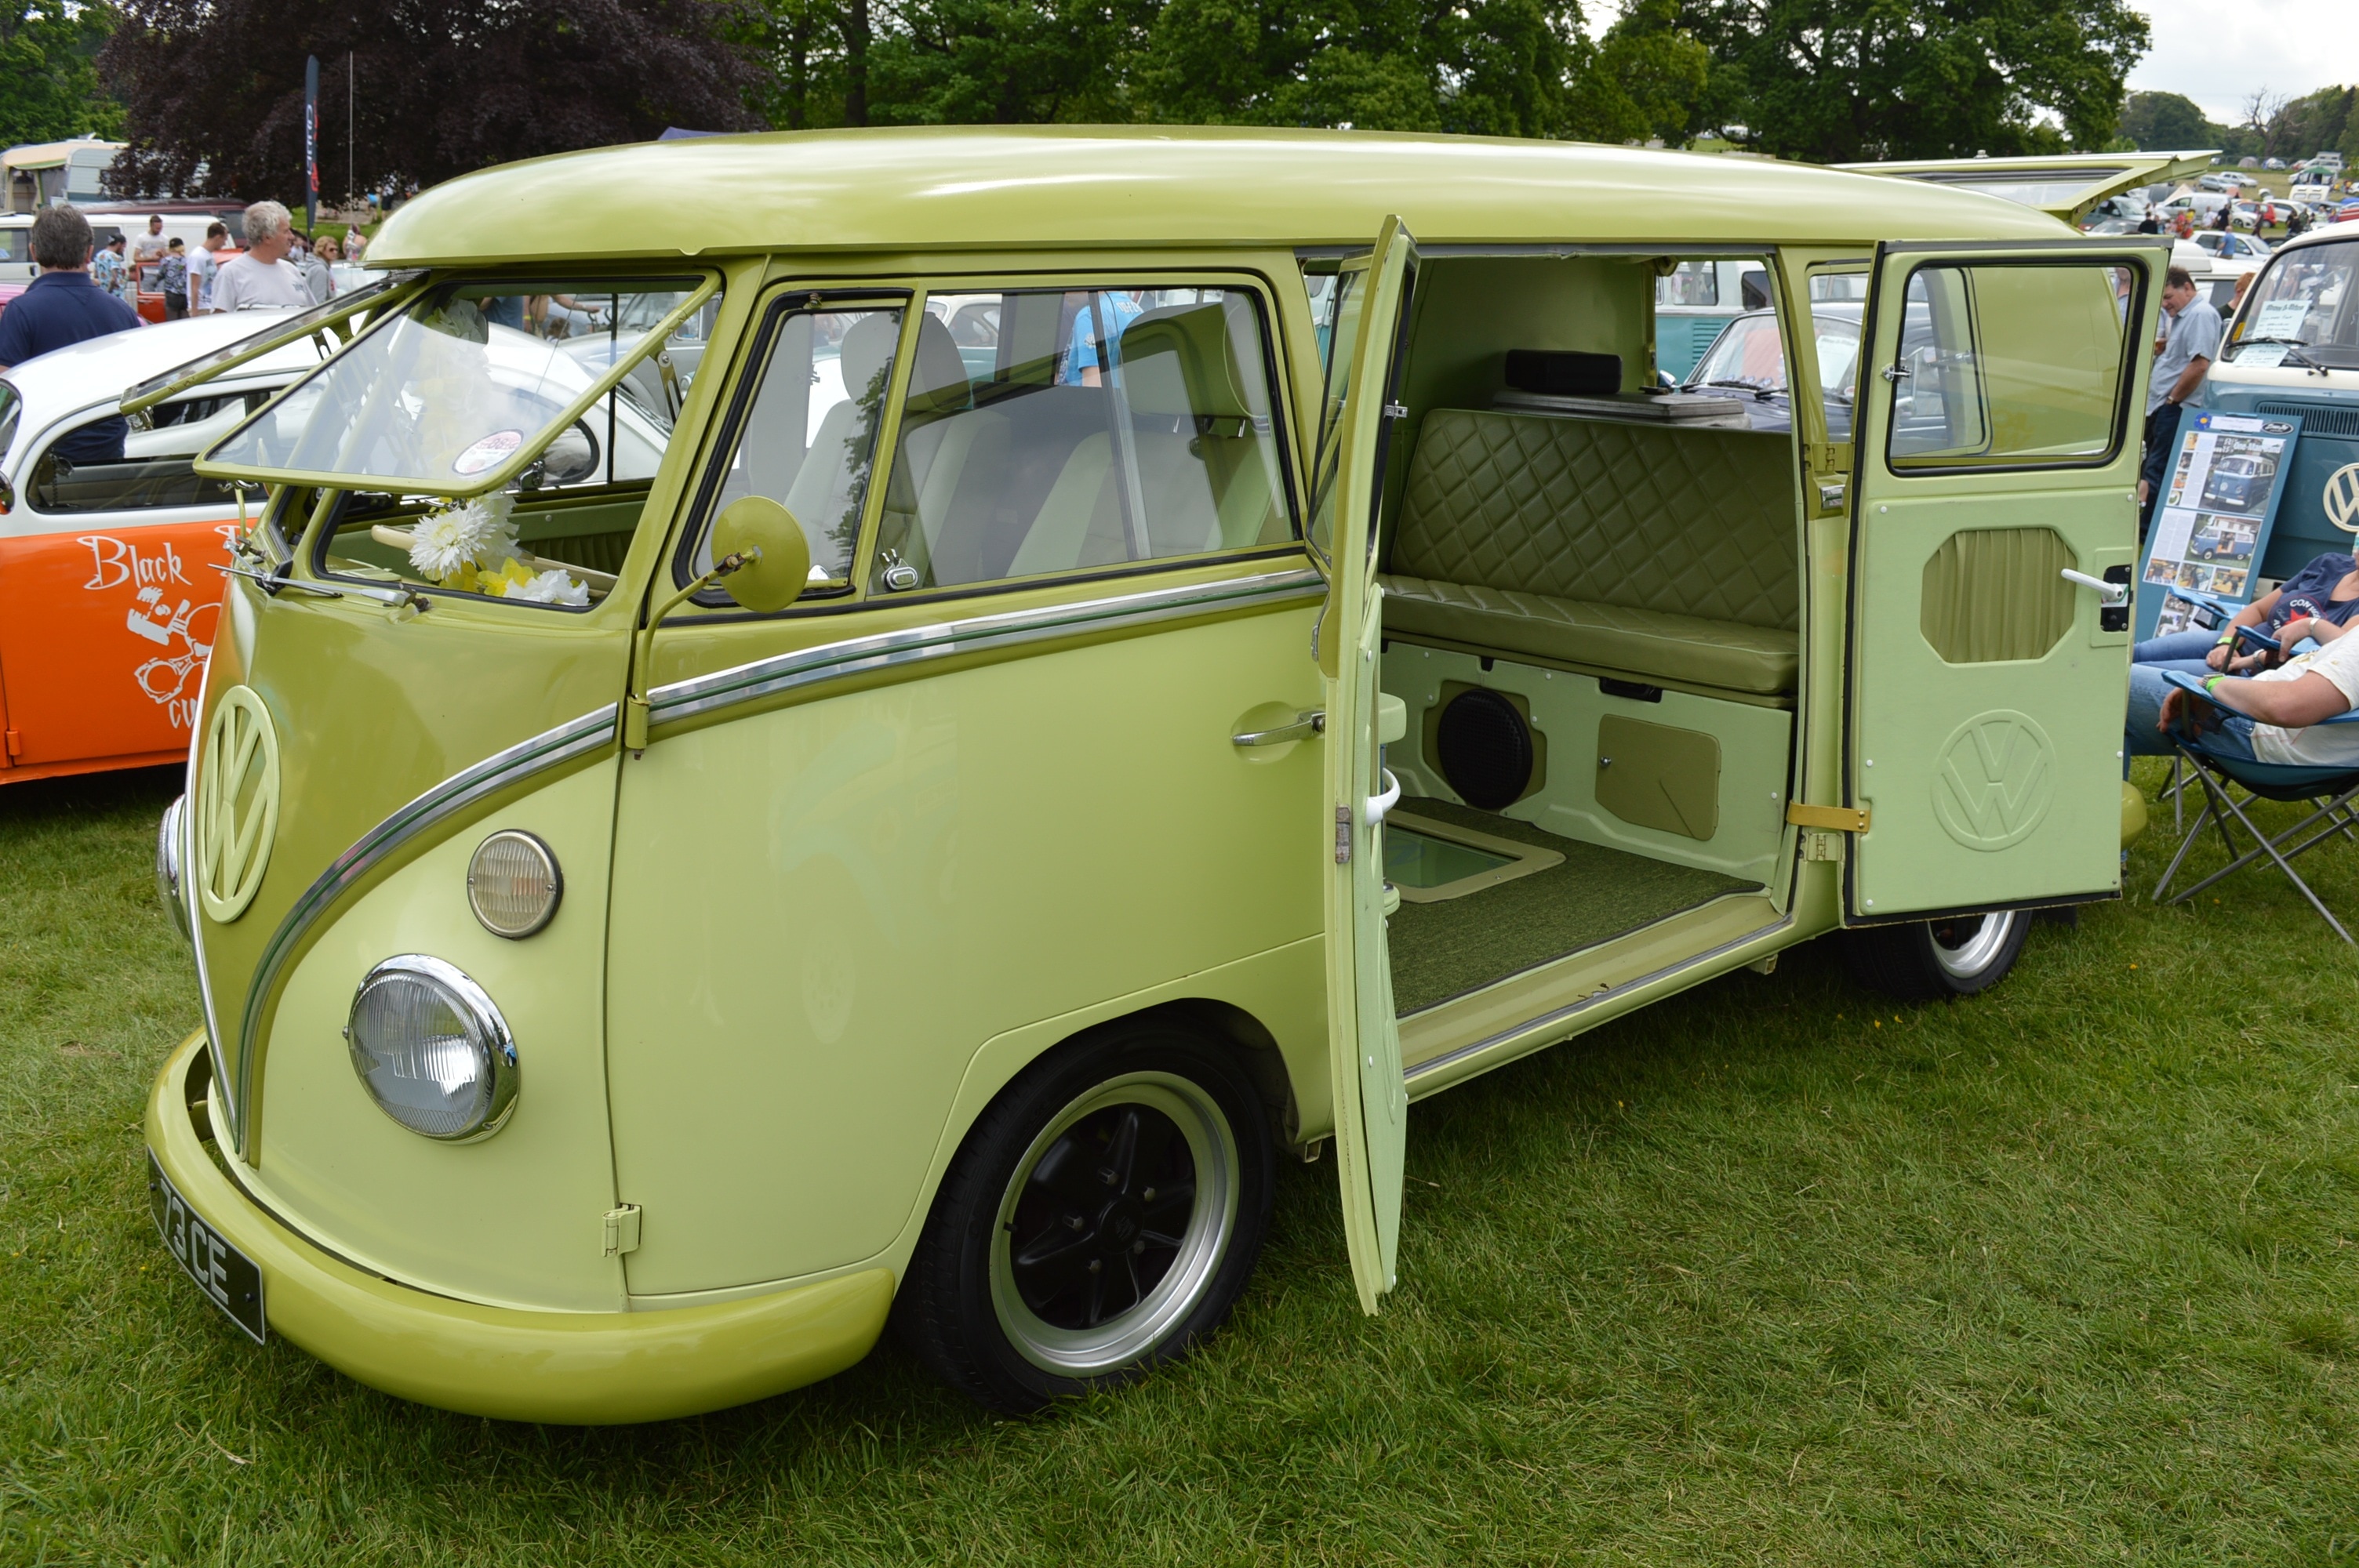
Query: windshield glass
pixel 2305 307
pixel 1751 354
pixel 472 376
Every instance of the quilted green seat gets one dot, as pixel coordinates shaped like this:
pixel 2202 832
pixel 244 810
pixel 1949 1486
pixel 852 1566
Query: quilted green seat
pixel 1634 548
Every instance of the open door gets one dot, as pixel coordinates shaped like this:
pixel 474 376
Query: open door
pixel 1993 534
pixel 1363 1037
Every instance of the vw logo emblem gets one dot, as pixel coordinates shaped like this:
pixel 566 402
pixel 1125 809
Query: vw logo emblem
pixel 2340 498
pixel 237 804
pixel 1995 780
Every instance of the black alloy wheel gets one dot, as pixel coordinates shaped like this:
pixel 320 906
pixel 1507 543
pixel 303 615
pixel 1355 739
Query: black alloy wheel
pixel 1103 1216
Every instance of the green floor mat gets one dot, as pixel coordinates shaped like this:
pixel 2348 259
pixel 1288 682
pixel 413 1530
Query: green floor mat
pixel 1446 949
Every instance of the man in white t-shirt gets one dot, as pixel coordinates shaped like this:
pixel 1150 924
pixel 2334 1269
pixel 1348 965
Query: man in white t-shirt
pixel 2277 716
pixel 204 266
pixel 263 279
pixel 149 249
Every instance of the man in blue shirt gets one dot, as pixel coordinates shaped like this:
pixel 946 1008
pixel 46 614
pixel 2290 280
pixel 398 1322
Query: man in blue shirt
pixel 62 307
pixel 2190 343
pixel 1110 312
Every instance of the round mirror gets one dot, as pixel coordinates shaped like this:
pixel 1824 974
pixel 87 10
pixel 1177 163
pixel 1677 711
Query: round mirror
pixel 571 457
pixel 775 580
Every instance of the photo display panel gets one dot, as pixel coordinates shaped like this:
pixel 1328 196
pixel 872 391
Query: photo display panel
pixel 2212 530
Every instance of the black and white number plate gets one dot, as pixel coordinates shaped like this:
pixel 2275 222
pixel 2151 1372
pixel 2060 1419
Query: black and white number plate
pixel 227 1276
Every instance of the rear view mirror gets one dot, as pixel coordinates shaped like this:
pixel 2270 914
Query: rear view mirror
pixel 777 557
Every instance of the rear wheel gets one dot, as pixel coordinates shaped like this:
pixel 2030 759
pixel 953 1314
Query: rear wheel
pixel 1929 960
pixel 1103 1216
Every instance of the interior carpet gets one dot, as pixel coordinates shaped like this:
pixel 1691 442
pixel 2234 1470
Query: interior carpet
pixel 1459 945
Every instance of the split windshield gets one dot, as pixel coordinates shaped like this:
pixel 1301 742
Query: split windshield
pixel 453 395
pixel 2305 310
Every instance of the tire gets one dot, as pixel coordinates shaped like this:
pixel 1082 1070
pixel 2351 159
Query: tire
pixel 1933 960
pixel 1055 1259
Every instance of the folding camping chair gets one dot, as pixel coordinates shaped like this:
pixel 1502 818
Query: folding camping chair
pixel 2330 790
pixel 2209 613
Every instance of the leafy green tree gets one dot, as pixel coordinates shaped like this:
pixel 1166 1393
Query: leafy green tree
pixel 2166 122
pixel 48 75
pixel 1833 81
pixel 1649 80
pixel 1005 61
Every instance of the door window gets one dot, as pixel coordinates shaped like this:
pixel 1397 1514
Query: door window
pixel 2013 365
pixel 809 438
pixel 144 463
pixel 1061 431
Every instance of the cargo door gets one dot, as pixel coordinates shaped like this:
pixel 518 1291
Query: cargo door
pixel 1357 416
pixel 1992 536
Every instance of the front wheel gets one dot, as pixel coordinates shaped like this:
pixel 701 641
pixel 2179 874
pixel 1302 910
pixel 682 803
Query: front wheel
pixel 1103 1216
pixel 1929 961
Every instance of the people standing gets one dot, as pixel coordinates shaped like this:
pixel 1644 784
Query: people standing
pixel 263 279
pixel 148 251
pixel 356 244
pixel 205 267
pixel 62 307
pixel 172 281
pixel 112 274
pixel 2183 226
pixel 2191 342
pixel 306 262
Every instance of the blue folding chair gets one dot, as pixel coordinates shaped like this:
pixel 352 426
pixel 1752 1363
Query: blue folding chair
pixel 2210 613
pixel 2330 790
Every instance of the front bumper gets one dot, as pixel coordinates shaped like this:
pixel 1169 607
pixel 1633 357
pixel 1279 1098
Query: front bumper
pixel 570 1368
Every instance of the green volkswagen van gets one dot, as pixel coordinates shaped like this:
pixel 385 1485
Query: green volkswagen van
pixel 878 743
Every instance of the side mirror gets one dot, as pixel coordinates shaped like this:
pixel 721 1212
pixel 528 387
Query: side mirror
pixel 777 555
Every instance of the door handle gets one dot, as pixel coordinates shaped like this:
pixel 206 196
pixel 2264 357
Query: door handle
pixel 1381 806
pixel 2109 594
pixel 1305 725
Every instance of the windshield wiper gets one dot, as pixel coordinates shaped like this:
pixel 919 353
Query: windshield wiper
pixel 2293 347
pixel 1757 388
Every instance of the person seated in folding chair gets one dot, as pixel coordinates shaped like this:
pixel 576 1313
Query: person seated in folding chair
pixel 2286 734
pixel 2322 595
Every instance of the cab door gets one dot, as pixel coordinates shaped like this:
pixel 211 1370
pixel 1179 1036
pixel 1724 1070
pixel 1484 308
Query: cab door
pixel 1997 462
pixel 1364 1035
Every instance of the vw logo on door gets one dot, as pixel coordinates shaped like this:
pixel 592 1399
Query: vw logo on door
pixel 2340 498
pixel 237 804
pixel 1995 780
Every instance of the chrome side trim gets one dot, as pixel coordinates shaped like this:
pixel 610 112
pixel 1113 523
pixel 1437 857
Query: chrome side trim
pixel 547 750
pixel 857 656
pixel 193 917
pixel 1533 1026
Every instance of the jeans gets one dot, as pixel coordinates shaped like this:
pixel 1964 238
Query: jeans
pixel 2176 651
pixel 2141 738
pixel 2161 450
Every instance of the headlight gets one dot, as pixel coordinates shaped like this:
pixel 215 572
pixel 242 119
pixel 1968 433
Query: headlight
pixel 432 1049
pixel 167 864
pixel 513 884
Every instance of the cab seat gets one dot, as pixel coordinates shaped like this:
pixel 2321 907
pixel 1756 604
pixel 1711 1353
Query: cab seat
pixel 1664 555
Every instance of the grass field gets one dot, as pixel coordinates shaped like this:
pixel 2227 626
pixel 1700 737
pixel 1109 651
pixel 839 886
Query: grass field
pixel 1768 1274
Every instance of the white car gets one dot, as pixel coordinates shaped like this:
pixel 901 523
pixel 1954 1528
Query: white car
pixel 107 587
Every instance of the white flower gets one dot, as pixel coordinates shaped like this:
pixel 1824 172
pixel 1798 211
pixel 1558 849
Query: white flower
pixel 482 531
pixel 551 586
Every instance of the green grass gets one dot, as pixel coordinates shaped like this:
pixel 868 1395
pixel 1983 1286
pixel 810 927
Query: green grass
pixel 1768 1274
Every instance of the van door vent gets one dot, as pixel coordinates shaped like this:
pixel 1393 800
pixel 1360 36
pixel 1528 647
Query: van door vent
pixel 1484 747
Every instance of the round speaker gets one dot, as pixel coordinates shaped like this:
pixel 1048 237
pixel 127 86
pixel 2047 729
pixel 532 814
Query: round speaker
pixel 1485 750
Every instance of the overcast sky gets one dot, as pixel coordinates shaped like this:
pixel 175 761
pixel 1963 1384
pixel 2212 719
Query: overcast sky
pixel 2217 53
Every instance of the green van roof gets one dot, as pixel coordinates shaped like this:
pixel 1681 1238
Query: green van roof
pixel 1013 187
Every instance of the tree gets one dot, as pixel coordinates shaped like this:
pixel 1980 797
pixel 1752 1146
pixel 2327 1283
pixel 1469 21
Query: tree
pixel 215 88
pixel 1648 81
pixel 2166 122
pixel 48 78
pixel 1835 81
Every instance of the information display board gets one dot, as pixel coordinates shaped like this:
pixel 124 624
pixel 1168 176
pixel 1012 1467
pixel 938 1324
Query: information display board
pixel 2219 503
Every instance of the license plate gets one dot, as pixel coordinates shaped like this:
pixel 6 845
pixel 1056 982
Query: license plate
pixel 227 1276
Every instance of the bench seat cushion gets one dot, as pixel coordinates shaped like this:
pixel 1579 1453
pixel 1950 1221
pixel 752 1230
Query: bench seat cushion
pixel 1688 649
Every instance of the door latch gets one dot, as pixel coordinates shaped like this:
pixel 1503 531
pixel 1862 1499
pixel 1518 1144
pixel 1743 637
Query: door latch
pixel 1311 721
pixel 1343 834
pixel 1396 411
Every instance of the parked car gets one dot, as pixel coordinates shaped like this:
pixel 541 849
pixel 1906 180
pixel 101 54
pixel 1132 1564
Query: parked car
pixel 904 857
pixel 1749 357
pixel 2232 246
pixel 16 263
pixel 1695 301
pixel 107 582
pixel 2273 163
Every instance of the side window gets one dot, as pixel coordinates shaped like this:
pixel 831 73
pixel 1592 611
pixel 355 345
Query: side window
pixel 144 463
pixel 808 439
pixel 1689 283
pixel 2010 365
pixel 1056 430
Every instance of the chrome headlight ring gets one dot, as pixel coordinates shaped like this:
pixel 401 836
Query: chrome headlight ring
pixel 168 865
pixel 432 1049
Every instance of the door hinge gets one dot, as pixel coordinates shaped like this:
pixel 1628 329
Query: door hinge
pixel 16 744
pixel 622 1231
pixel 1396 411
pixel 1836 818
pixel 1820 847
pixel 1343 834
pixel 1829 458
